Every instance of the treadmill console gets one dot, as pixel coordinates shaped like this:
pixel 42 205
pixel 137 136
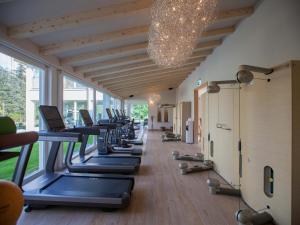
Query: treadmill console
pixel 85 115
pixel 52 118
pixel 109 114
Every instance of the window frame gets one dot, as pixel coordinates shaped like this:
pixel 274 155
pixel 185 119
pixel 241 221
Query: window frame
pixel 53 78
pixel 43 96
pixel 76 80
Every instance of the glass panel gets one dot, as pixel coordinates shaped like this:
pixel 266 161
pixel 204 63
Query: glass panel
pixel 112 103
pixel 139 112
pixel 118 104
pixel 76 96
pixel 19 99
pixel 99 105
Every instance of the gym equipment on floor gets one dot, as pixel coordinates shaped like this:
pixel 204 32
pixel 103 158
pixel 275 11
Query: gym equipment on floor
pixel 124 133
pixel 185 169
pixel 93 164
pixel 109 191
pixel 133 126
pixel 168 136
pixel 214 187
pixel 248 216
pixel 103 191
pixel 103 145
pixel 198 157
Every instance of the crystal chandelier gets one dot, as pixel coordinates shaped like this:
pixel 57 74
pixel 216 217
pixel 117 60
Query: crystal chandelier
pixel 175 28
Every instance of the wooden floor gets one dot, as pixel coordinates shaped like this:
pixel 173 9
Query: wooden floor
pixel 161 196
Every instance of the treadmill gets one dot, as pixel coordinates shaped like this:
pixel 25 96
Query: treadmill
pixel 105 148
pixel 92 164
pixel 51 188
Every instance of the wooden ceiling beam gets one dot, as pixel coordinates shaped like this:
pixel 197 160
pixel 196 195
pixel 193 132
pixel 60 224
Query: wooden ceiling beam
pixel 44 26
pixel 119 69
pixel 91 40
pixel 149 90
pixel 48 25
pixel 98 39
pixel 145 71
pixel 148 79
pixel 112 63
pixel 132 68
pixel 128 60
pixel 145 76
pixel 134 86
pixel 149 84
pixel 234 13
pixel 208 45
pixel 218 32
pixel 119 51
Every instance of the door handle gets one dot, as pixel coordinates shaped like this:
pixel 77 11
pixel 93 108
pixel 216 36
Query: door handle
pixel 223 126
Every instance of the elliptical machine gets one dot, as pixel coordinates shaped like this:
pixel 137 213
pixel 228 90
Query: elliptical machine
pixel 116 139
pixel 125 131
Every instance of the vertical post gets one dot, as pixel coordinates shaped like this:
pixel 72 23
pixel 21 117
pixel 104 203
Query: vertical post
pixel 94 105
pixel 59 102
pixel 106 104
pixel 44 96
pixel 128 109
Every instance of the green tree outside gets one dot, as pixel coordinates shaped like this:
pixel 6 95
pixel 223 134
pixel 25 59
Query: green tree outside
pixel 13 94
pixel 140 111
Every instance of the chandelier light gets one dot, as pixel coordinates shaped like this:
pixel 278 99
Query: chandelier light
pixel 175 28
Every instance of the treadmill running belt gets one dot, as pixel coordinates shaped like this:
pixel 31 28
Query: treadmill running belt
pixel 113 161
pixel 88 187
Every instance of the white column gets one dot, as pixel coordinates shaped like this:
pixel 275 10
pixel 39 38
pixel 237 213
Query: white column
pixel 128 113
pixel 122 104
pixel 106 104
pixel 94 105
pixel 58 97
pixel 29 98
pixel 45 93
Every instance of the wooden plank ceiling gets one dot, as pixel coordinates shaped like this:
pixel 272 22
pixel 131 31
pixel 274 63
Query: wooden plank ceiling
pixel 124 69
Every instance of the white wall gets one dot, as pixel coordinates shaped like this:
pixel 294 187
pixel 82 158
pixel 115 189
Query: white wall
pixel 269 37
pixel 164 97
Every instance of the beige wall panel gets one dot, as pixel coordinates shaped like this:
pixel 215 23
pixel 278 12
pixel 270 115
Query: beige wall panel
pixel 213 100
pixel 203 124
pixel 224 112
pixel 266 141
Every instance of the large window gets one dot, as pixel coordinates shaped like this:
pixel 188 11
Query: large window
pixel 19 99
pixel 139 112
pixel 112 103
pixel 76 96
pixel 99 105
pixel 118 104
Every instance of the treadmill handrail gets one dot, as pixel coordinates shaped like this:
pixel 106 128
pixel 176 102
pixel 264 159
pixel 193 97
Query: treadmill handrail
pixel 60 136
